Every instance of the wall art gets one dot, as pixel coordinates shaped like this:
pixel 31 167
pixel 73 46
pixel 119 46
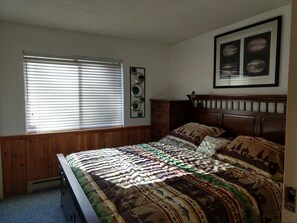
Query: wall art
pixel 137 93
pixel 249 56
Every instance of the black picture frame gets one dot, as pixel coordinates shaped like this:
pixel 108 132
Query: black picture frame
pixel 137 92
pixel 248 56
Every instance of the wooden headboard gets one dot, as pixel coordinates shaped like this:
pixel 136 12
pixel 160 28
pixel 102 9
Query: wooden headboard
pixel 254 115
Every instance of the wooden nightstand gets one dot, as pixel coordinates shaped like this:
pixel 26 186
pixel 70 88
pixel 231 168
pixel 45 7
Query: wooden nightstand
pixel 167 115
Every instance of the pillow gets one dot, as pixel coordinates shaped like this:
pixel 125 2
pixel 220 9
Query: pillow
pixel 257 153
pixel 193 133
pixel 210 145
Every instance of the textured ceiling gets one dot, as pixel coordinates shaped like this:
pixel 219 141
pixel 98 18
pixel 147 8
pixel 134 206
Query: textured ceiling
pixel 164 21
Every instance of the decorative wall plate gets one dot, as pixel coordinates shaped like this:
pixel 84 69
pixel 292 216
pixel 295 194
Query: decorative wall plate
pixel 139 78
pixel 137 90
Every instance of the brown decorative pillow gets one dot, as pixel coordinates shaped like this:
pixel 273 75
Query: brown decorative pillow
pixel 194 133
pixel 257 153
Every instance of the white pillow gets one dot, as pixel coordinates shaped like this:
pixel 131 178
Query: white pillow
pixel 210 145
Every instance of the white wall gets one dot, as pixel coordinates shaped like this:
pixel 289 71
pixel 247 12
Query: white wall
pixel 192 61
pixel 291 130
pixel 16 38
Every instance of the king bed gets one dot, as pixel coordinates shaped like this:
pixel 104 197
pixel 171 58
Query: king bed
pixel 226 165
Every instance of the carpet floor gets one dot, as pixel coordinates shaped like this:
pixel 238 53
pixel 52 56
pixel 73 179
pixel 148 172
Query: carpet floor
pixel 43 207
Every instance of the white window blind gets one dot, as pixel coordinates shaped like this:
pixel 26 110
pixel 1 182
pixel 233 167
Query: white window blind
pixel 63 93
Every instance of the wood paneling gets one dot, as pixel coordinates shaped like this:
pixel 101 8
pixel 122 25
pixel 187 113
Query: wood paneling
pixel 33 157
pixel 14 157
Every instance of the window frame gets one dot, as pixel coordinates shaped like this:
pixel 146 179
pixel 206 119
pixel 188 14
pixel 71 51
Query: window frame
pixel 76 60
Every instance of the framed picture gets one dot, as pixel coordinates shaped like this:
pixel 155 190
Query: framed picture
pixel 137 93
pixel 249 56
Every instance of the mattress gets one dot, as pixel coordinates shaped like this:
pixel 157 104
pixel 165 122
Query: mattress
pixel 159 182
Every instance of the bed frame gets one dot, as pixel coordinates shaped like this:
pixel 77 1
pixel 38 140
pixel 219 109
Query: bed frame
pixel 75 204
pixel 255 115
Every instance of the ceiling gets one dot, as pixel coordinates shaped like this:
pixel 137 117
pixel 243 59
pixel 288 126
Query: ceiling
pixel 163 21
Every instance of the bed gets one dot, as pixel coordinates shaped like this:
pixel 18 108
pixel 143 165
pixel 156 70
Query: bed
pixel 226 165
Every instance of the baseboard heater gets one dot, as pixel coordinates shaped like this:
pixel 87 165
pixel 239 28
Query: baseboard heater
pixel 44 184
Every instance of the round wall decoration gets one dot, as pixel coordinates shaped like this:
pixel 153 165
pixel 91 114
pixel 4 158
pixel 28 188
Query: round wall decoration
pixel 137 92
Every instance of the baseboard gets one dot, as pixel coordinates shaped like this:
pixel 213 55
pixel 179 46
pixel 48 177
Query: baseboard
pixel 44 184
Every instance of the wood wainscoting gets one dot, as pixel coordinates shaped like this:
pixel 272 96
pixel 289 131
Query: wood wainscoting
pixel 33 157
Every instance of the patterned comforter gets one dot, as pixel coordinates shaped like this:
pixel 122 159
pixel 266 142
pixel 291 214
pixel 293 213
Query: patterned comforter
pixel 158 183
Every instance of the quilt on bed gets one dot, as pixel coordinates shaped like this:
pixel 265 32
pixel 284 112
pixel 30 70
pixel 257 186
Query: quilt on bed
pixel 158 183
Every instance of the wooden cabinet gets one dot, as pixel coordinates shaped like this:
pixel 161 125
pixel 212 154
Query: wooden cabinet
pixel 167 115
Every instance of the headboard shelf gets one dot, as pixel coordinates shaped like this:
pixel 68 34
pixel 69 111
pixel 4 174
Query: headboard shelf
pixel 242 97
pixel 256 115
pixel 256 103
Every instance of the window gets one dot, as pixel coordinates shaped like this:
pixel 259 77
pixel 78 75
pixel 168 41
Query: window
pixel 63 93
